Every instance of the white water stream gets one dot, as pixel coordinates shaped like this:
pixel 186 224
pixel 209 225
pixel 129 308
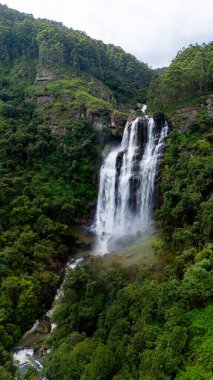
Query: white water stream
pixel 24 356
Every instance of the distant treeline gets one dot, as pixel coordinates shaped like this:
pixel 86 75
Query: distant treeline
pixel 52 42
pixel 190 74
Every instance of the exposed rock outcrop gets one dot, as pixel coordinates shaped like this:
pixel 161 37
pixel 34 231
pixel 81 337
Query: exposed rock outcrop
pixel 117 122
pixel 45 98
pixel 43 75
pixel 185 117
pixel 209 105
pixel 71 99
pixel 44 326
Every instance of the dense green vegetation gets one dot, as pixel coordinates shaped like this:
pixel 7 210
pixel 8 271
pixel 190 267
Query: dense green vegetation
pixel 184 93
pixel 47 182
pixel 186 213
pixel 51 42
pixel 119 324
pixel 143 324
pixel 190 74
pixel 112 322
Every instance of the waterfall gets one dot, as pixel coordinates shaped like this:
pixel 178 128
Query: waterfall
pixel 128 176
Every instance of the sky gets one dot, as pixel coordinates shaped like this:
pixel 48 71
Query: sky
pixel 152 30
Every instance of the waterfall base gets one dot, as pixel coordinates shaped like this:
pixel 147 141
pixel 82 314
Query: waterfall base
pixel 141 250
pixel 114 242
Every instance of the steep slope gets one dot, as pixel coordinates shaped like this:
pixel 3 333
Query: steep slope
pixel 189 75
pixel 184 93
pixel 59 95
pixel 153 323
pixel 56 86
pixel 47 182
pixel 51 42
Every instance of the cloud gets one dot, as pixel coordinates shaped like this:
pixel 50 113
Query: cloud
pixel 152 30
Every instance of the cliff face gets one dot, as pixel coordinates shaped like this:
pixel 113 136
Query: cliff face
pixel 63 98
pixel 184 115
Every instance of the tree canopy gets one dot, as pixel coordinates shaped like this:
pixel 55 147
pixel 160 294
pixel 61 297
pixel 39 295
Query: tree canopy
pixel 190 74
pixel 51 42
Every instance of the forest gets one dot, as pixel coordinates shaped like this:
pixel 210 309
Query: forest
pixel 189 75
pixel 152 323
pixel 51 42
pixel 113 322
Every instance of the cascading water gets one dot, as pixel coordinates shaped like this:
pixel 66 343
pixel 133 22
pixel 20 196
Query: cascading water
pixel 127 183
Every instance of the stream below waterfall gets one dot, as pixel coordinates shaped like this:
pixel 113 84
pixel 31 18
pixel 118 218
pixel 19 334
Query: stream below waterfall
pixel 25 353
pixel 140 251
pixel 124 227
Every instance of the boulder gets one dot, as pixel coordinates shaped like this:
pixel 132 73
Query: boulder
pixel 44 326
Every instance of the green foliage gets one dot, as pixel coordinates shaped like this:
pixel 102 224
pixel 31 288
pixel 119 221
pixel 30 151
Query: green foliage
pixel 48 178
pixel 53 43
pixel 112 323
pixel 46 184
pixel 158 324
pixel 190 74
pixel 186 210
pixel 109 326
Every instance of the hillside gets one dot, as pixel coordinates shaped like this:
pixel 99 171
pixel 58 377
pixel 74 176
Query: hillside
pixel 184 94
pixel 40 198
pixel 152 323
pixel 60 93
pixel 53 43
pixel 189 75
pixel 63 96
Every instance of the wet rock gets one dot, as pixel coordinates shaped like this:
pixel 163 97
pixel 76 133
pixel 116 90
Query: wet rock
pixel 95 260
pixel 118 122
pixel 42 350
pixel 44 326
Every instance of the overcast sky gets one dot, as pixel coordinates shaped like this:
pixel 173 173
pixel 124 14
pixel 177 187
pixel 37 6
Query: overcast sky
pixel 152 30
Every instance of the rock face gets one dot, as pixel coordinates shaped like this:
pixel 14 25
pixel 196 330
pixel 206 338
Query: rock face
pixel 117 123
pixel 209 105
pixel 71 99
pixel 97 119
pixel 183 117
pixel 40 350
pixel 44 326
pixel 45 98
pixel 43 75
